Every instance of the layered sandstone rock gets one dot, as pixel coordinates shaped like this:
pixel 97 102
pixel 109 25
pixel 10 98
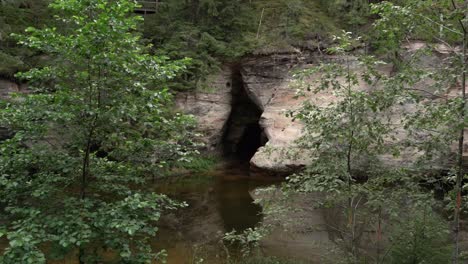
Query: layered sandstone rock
pixel 211 107
pixel 268 82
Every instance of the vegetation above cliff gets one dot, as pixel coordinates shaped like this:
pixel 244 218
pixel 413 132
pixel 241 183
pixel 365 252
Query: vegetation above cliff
pixel 208 31
pixel 211 32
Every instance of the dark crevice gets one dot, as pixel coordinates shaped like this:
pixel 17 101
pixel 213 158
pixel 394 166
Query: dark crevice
pixel 250 142
pixel 243 135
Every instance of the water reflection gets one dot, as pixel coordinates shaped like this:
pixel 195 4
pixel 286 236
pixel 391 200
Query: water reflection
pixel 219 202
pixel 235 205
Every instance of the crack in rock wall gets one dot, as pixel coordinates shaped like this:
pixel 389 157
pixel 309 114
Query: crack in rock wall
pixel 243 135
pixel 267 83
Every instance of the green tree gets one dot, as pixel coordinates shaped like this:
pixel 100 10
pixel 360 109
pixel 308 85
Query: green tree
pixel 97 124
pixel 461 71
pixel 347 137
pixel 351 137
pixel 441 120
pixel 207 31
pixel 352 133
pixel 420 238
pixel 15 16
pixel 353 13
pixel 213 32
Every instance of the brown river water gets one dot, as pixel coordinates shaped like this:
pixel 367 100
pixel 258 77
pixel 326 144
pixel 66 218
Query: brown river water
pixel 219 202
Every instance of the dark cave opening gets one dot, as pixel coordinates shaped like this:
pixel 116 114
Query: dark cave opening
pixel 243 134
pixel 250 142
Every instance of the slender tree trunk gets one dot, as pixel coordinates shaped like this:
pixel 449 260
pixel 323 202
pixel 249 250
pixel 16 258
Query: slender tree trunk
pixel 81 255
pixel 460 172
pixel 89 141
pixel 85 165
pixel 379 233
pixel 260 23
pixel 85 176
pixel 351 211
pixel 194 6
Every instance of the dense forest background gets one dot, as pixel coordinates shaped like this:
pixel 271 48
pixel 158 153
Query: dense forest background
pixel 208 31
pixel 97 126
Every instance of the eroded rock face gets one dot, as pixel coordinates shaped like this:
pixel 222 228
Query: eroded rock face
pixel 211 108
pixel 243 134
pixel 268 83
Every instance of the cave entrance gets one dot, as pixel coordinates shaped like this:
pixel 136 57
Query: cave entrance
pixel 243 134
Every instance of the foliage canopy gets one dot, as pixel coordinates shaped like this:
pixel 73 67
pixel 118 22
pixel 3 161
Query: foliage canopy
pixel 97 124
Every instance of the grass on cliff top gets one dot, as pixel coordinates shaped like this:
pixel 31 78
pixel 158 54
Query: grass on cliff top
pixel 289 23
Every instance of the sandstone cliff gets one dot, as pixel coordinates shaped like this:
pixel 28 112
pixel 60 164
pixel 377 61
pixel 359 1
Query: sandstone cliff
pixel 267 82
